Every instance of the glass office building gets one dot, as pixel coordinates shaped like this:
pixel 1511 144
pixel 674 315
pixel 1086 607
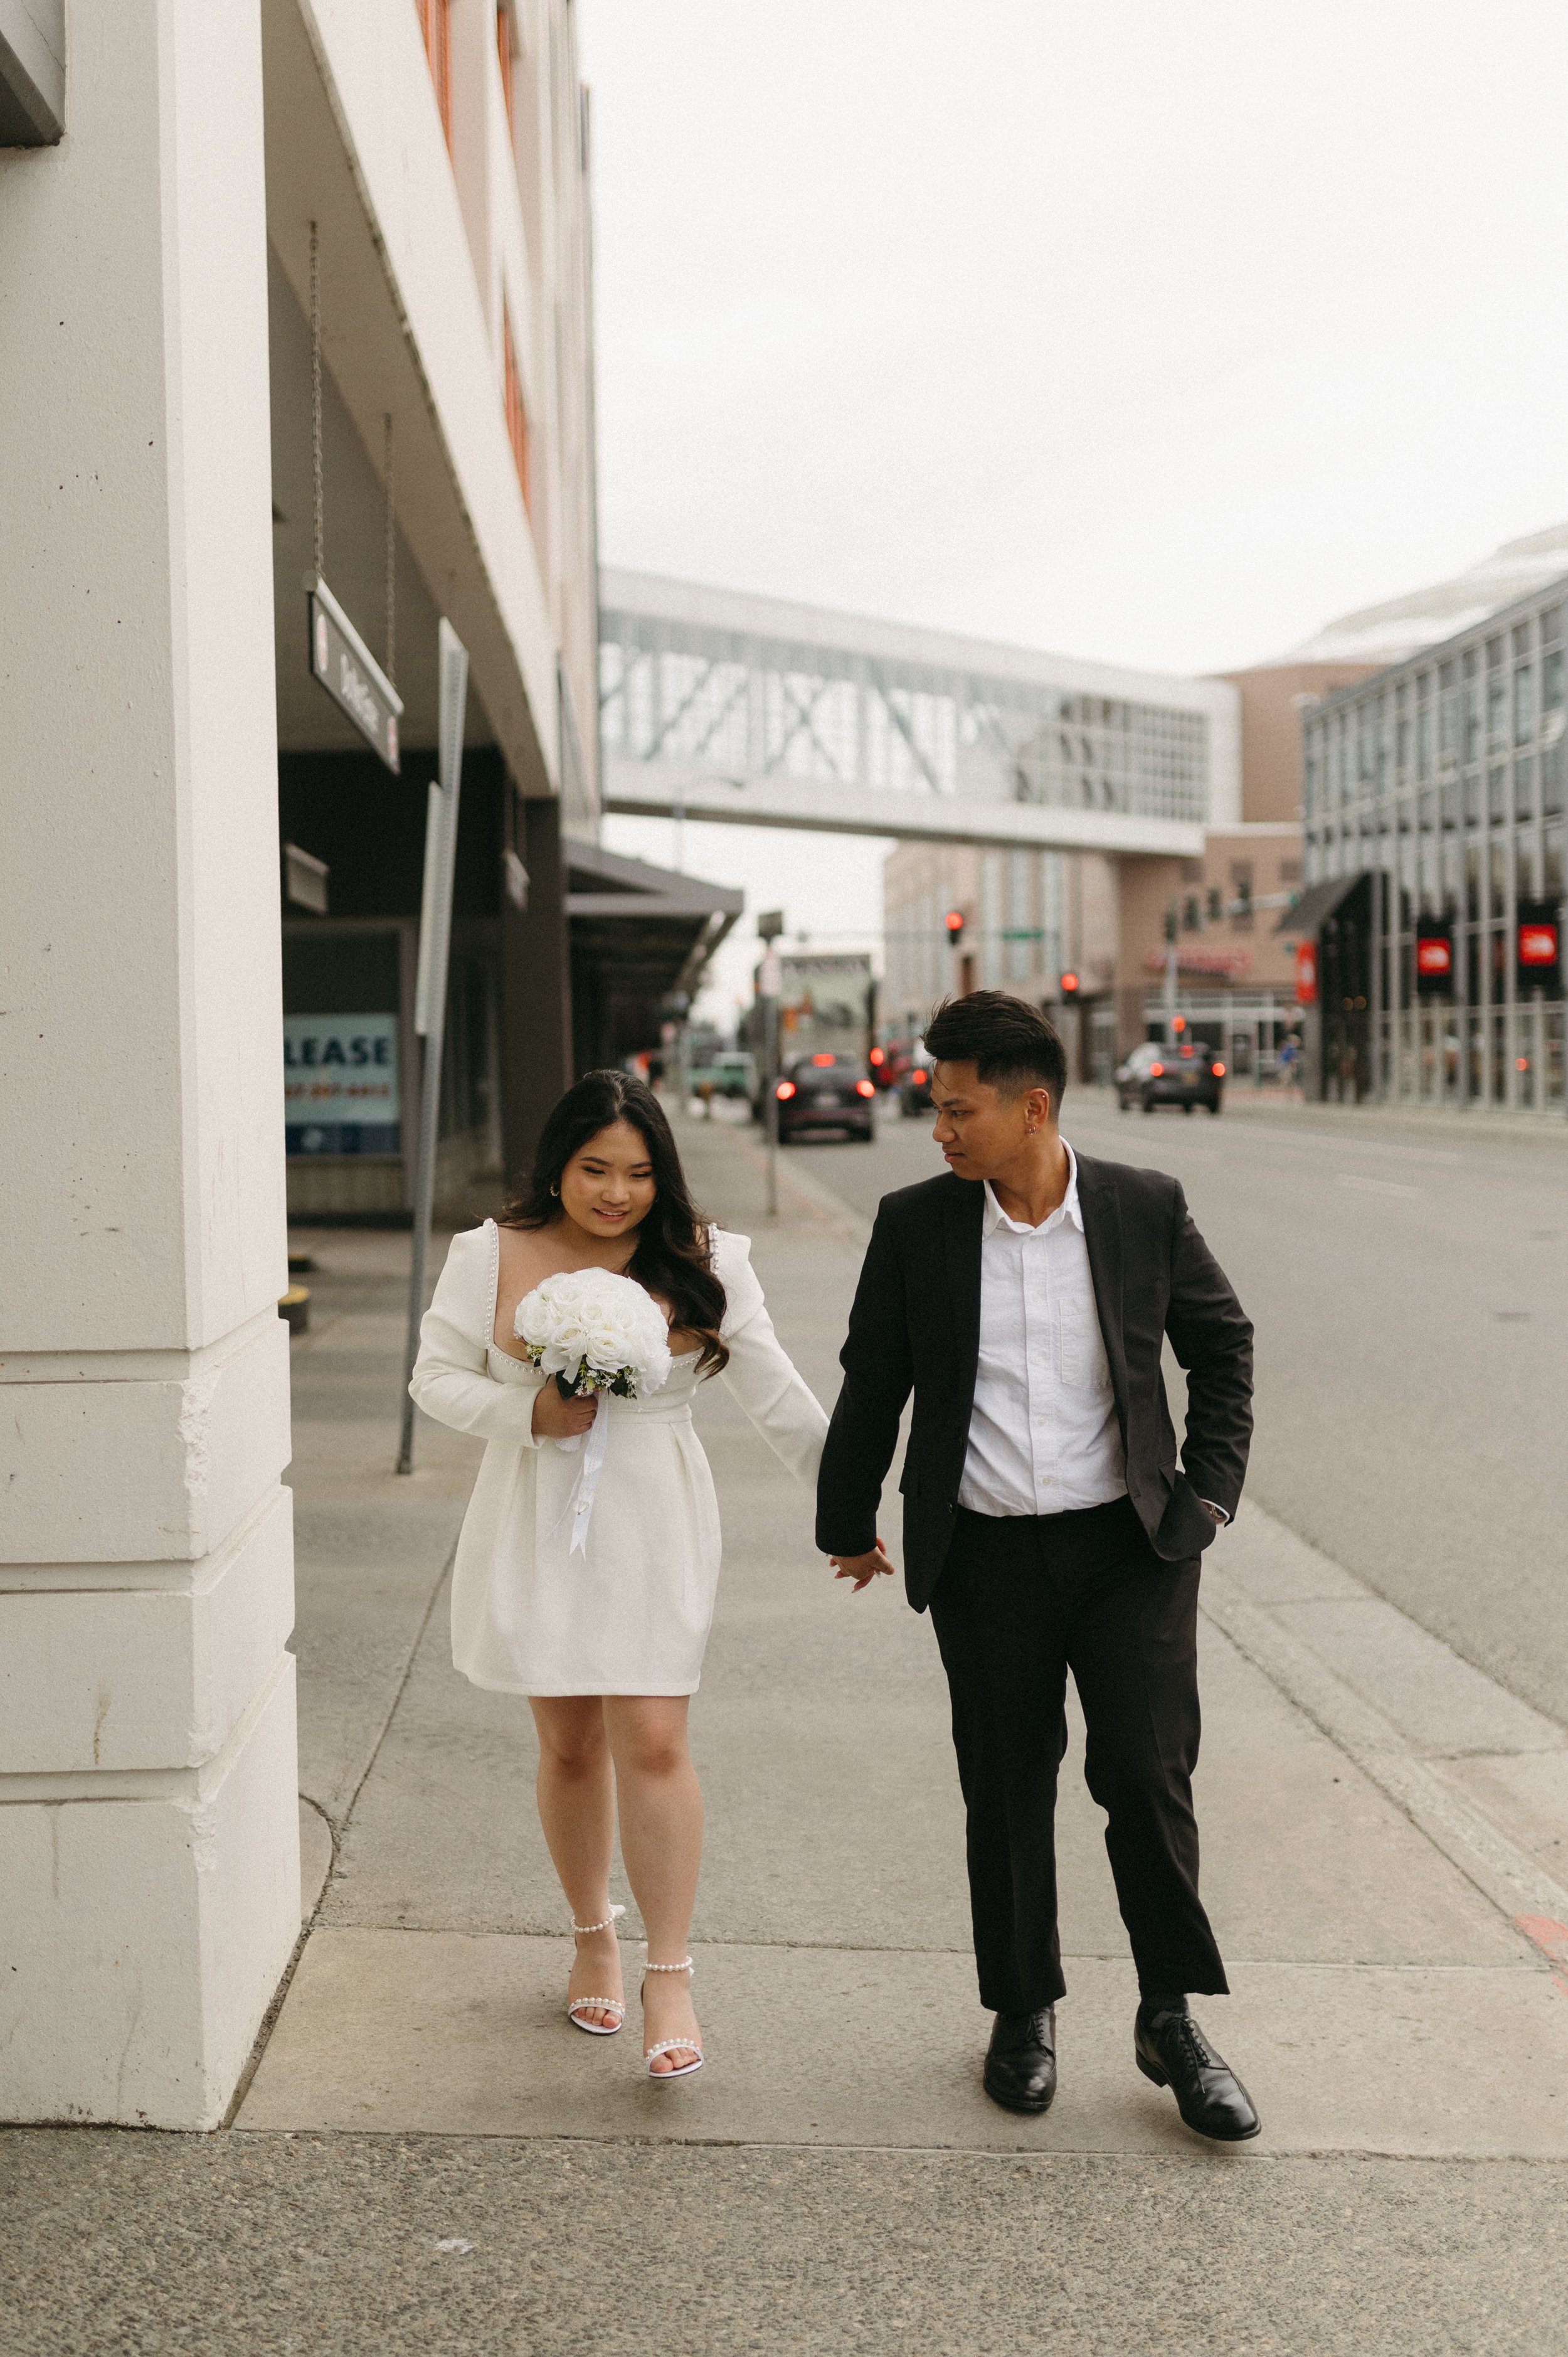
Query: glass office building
pixel 1430 920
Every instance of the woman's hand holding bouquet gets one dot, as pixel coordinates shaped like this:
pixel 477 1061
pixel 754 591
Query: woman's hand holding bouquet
pixel 594 1331
pixel 558 1417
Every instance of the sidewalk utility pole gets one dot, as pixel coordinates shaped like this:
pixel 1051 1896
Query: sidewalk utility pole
pixel 1170 999
pixel 770 986
pixel 430 988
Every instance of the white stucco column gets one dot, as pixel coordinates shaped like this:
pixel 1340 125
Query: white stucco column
pixel 149 1885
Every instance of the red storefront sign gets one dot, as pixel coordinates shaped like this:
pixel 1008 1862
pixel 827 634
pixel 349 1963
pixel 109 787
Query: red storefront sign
pixel 1537 944
pixel 1306 974
pixel 1434 957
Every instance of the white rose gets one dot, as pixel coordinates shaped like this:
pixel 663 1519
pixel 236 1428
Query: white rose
pixel 591 1314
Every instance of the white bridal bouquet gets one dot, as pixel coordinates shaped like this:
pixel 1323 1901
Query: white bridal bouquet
pixel 594 1331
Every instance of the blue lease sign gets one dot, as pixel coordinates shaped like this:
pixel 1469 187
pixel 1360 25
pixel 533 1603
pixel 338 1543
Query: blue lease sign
pixel 340 1084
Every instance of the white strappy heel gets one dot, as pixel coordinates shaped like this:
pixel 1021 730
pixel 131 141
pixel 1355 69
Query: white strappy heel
pixel 597 2004
pixel 671 2045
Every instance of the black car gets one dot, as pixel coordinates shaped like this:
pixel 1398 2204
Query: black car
pixel 825 1092
pixel 1188 1075
pixel 912 1077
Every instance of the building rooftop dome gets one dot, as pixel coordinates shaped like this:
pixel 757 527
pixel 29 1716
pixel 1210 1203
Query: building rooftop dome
pixel 1387 633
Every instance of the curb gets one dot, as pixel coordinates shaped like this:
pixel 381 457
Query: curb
pixel 1535 1903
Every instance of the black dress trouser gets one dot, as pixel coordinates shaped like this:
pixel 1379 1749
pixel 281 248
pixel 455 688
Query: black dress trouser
pixel 1022 1600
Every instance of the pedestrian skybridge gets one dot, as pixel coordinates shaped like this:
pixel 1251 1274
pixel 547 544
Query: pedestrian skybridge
pixel 717 706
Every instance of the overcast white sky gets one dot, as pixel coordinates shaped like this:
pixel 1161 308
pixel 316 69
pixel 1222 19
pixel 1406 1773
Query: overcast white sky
pixel 1157 330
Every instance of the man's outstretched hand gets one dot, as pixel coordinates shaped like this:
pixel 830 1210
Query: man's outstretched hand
pixel 862 1568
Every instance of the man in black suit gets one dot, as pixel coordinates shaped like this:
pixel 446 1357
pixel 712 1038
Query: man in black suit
pixel 1048 1524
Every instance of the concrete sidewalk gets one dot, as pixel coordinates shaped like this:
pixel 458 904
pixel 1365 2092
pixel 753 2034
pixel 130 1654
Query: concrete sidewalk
pixel 429 2157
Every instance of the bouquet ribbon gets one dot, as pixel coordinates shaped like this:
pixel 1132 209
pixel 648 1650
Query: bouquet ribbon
pixel 580 1504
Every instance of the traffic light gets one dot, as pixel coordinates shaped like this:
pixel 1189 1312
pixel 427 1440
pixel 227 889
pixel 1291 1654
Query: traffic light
pixel 1069 986
pixel 954 922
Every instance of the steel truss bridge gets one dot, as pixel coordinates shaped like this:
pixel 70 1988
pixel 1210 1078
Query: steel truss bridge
pixel 717 706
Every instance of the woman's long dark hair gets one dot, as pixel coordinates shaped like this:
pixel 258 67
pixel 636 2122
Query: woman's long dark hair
pixel 672 1256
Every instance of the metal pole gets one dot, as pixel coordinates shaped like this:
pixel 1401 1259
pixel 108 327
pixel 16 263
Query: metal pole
pixel 770 986
pixel 1170 1000
pixel 430 991
pixel 770 1035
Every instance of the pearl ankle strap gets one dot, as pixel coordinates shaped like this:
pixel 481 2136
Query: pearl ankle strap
pixel 583 1928
pixel 686 1965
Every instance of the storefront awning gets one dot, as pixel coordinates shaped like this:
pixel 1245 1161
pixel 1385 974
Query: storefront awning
pixel 650 930
pixel 638 935
pixel 1319 902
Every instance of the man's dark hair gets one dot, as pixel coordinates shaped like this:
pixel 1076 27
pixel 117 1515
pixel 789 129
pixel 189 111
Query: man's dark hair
pixel 1010 1043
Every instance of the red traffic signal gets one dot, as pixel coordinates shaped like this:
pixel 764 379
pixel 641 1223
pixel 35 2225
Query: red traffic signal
pixel 1069 986
pixel 954 922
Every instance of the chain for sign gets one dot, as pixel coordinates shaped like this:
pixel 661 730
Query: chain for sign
pixel 318 540
pixel 391 561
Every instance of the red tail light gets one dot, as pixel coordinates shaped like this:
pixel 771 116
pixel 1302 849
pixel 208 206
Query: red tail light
pixel 823 1060
pixel 785 1088
pixel 919 1078
pixel 1220 1071
pixel 865 1088
pixel 1156 1072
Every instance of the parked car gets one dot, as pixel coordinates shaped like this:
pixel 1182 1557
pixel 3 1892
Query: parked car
pixel 1188 1075
pixel 732 1072
pixel 825 1092
pixel 915 1081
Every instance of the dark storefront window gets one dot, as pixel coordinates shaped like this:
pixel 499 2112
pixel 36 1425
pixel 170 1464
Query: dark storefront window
pixel 342 1080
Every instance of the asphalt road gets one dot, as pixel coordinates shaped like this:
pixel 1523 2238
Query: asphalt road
pixel 1410 1292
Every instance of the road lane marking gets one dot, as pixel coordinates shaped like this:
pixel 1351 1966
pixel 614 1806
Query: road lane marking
pixel 1373 1186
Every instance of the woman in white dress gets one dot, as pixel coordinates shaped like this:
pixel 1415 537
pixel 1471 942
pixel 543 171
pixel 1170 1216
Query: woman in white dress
pixel 608 1646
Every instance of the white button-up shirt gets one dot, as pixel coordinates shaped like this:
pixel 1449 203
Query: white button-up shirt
pixel 1043 1435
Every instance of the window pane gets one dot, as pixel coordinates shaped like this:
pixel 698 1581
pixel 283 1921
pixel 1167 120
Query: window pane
pixel 1524 788
pixel 1523 705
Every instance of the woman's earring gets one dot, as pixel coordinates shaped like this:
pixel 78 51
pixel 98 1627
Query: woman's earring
pixel 556 1191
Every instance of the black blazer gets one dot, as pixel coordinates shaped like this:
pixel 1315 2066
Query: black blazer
pixel 915 1325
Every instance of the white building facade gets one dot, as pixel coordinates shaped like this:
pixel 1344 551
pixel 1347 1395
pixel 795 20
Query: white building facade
pixel 211 205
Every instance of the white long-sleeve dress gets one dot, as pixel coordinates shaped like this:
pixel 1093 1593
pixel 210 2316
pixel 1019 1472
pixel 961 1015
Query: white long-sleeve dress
pixel 632 1616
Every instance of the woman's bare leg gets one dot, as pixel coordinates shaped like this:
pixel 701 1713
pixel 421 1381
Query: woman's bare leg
pixel 661 1843
pixel 576 1809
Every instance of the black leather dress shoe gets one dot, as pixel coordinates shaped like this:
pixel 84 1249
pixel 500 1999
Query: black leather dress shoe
pixel 1173 2051
pixel 1021 2060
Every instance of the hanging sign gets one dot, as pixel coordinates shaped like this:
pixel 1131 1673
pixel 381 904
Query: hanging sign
pixel 345 668
pixel 1306 974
